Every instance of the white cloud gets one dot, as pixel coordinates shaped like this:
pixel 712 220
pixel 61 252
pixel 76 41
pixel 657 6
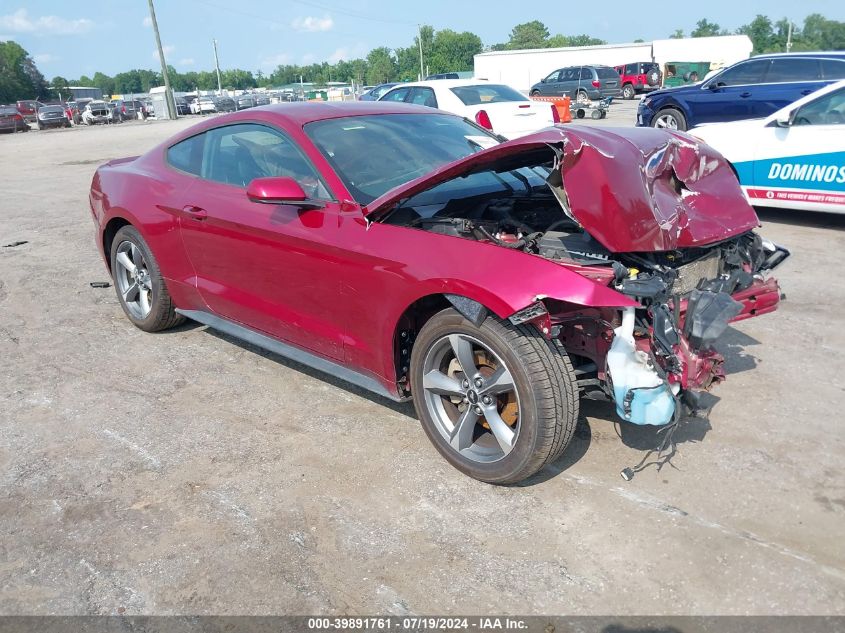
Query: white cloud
pixel 310 24
pixel 147 21
pixel 186 61
pixel 168 48
pixel 21 22
pixel 43 58
pixel 345 53
pixel 271 61
pixel 338 54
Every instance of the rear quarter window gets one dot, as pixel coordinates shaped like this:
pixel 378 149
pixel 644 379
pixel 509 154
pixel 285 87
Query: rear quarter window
pixel 833 68
pixel 187 155
pixel 608 73
pixel 487 93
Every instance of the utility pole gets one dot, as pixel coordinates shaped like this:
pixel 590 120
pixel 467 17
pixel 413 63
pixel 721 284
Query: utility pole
pixel 217 65
pixel 168 94
pixel 789 38
pixel 419 38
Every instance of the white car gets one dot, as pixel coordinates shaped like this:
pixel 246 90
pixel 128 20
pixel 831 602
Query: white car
pixel 794 158
pixel 497 107
pixel 95 112
pixel 202 105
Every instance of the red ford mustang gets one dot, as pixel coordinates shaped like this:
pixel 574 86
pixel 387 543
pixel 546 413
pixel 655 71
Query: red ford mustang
pixel 409 252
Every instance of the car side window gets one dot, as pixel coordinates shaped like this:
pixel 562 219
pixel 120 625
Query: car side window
pixel 187 155
pixel 833 68
pixel 379 91
pixel 793 69
pixel 632 69
pixel 237 154
pixel 554 77
pixel 423 96
pixel 826 110
pixel 396 95
pixel 586 73
pixel 747 73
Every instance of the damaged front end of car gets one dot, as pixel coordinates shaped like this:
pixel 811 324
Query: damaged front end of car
pixel 652 215
pixel 657 356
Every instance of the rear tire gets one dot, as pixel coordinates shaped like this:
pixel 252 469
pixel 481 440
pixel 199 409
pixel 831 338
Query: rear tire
pixel 522 384
pixel 628 92
pixel 670 118
pixel 139 285
pixel 581 97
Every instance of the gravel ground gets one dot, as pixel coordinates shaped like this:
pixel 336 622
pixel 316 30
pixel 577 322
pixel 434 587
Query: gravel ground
pixel 186 473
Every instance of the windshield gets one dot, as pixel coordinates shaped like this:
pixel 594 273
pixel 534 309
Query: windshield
pixel 487 93
pixel 375 153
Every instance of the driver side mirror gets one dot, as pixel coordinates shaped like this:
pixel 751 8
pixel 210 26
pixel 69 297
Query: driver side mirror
pixel 786 119
pixel 279 190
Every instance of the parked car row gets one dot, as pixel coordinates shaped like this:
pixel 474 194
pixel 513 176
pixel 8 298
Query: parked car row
pixel 751 88
pixel 251 100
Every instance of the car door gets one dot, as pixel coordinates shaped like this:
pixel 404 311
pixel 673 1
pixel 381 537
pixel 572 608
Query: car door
pixel 787 80
pixel 570 79
pixel 267 266
pixel 729 95
pixel 551 85
pixel 803 164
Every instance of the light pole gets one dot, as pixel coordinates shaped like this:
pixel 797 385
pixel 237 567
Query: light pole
pixel 419 38
pixel 217 65
pixel 168 94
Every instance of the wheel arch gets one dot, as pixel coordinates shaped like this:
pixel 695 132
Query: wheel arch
pixel 417 314
pixel 109 231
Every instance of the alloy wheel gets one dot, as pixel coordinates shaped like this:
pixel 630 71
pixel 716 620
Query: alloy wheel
pixel 666 121
pixel 471 396
pixel 133 279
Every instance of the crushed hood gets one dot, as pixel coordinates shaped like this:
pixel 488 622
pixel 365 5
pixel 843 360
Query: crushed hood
pixel 632 189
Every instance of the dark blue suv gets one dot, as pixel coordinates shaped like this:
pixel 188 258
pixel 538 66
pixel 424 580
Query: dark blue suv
pixel 750 89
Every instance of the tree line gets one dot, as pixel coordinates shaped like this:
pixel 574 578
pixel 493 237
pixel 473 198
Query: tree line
pixel 443 51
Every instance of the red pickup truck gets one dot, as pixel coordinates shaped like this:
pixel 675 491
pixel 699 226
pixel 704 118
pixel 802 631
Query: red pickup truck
pixel 638 77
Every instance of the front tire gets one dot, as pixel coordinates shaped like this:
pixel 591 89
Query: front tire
pixel 140 287
pixel 670 118
pixel 628 92
pixel 498 401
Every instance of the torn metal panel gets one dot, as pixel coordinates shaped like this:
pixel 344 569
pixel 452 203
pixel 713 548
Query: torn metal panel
pixel 633 189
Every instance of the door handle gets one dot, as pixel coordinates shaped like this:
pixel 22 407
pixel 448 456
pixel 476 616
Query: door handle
pixel 197 213
pixel 744 95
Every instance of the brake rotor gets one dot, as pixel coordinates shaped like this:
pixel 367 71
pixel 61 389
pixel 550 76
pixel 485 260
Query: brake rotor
pixel 506 403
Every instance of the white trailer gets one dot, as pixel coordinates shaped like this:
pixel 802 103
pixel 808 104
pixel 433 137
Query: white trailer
pixel 523 68
pixel 720 51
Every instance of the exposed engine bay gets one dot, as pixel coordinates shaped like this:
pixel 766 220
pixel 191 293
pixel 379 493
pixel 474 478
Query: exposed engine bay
pixel 650 360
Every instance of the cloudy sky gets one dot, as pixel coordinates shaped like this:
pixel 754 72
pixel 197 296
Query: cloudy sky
pixel 75 38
